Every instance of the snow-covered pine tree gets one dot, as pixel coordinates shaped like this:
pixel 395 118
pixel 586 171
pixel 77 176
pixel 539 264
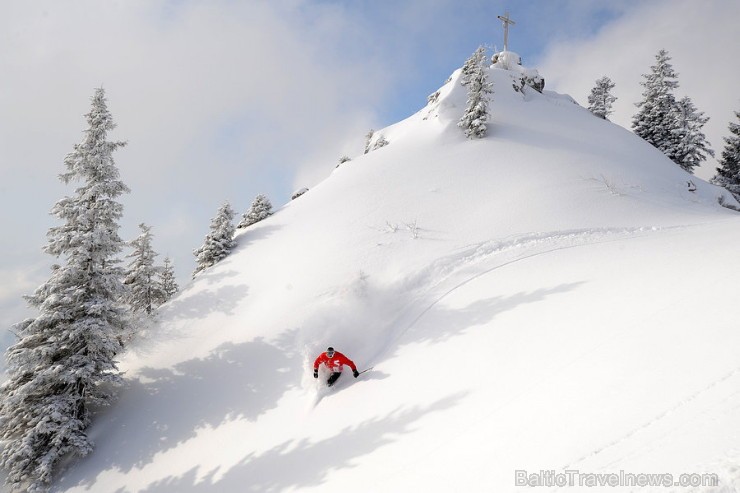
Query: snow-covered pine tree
pixel 167 280
pixel 142 277
pixel 260 209
pixel 368 140
pixel 473 121
pixel 343 160
pixel 219 242
pixel 298 193
pixel 64 361
pixel 656 117
pixel 690 147
pixel 728 173
pixel 380 142
pixel 472 64
pixel 601 99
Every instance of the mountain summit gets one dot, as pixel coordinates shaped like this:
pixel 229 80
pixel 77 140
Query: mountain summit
pixel 551 297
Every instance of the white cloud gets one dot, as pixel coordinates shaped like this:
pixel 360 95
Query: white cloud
pixel 178 80
pixel 218 100
pixel 701 37
pixel 23 280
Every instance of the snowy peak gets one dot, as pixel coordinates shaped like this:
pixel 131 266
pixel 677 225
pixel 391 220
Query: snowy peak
pixel 512 84
pixel 506 74
pixel 540 145
pixel 508 60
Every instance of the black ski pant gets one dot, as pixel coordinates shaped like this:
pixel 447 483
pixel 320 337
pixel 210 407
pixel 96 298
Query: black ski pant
pixel 333 377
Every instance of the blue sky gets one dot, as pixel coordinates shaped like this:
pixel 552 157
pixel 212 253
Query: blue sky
pixel 226 99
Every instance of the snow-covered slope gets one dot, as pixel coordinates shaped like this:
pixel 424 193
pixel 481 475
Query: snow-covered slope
pixel 550 297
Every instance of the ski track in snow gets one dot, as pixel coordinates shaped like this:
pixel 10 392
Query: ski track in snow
pixel 501 253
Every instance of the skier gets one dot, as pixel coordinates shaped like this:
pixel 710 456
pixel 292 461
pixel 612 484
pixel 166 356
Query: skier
pixel 335 361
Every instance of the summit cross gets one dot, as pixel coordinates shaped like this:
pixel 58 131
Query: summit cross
pixel 506 21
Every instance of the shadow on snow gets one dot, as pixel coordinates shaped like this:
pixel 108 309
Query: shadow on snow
pixel 234 381
pixel 305 463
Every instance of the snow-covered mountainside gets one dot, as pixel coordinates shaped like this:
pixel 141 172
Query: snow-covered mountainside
pixel 551 297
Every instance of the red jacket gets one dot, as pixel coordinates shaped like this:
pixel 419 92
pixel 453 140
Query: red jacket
pixel 335 363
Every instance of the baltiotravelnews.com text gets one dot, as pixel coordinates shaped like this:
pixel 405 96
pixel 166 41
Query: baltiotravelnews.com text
pixel 574 477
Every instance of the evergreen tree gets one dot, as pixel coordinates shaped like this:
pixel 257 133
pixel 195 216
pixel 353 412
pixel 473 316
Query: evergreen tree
pixel 380 142
pixel 368 140
pixel 63 361
pixel 219 242
pixel 472 65
pixel 473 121
pixel 142 278
pixel 655 119
pixel 261 209
pixel 600 100
pixel 167 280
pixel 343 160
pixel 298 193
pixel 690 146
pixel 728 173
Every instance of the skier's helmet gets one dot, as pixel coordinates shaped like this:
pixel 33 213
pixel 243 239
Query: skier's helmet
pixel 330 351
